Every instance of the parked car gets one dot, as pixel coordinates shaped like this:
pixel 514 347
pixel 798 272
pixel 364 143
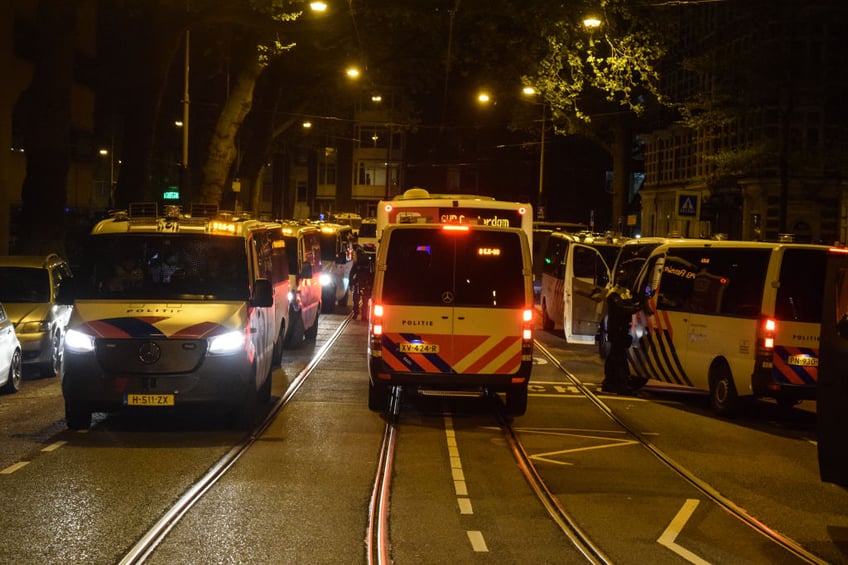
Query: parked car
pixel 10 355
pixel 28 286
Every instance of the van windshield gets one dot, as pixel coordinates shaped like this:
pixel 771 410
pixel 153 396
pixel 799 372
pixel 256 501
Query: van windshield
pixel 437 267
pixel 164 267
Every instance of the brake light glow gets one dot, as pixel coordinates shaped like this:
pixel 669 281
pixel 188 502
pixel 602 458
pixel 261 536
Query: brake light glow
pixel 527 335
pixel 769 328
pixel 455 227
pixel 375 339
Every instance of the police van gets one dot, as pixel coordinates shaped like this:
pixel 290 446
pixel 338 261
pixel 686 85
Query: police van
pixel 175 310
pixel 730 317
pixel 575 272
pixel 452 308
pixel 303 248
pixel 336 263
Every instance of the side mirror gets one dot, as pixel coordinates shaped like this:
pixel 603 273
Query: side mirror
pixel 65 293
pixel 263 293
pixel 306 271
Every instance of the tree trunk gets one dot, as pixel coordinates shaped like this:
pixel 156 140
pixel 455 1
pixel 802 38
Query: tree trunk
pixel 45 110
pixel 222 147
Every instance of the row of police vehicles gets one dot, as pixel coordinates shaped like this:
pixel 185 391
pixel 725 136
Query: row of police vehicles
pixel 174 309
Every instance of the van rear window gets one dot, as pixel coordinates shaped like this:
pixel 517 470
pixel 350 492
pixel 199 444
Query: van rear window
pixel 434 267
pixel 799 297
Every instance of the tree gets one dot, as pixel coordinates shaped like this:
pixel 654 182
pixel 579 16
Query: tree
pixel 44 113
pixel 597 80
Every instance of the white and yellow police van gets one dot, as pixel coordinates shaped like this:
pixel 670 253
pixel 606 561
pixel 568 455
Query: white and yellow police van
pixel 733 318
pixel 303 247
pixel 336 263
pixel 575 271
pixel 451 308
pixel 175 310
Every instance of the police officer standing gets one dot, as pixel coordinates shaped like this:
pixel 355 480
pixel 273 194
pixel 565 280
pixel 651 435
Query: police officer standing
pixel 620 310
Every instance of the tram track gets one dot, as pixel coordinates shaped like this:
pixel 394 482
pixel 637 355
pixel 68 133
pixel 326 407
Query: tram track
pixel 732 508
pixel 147 544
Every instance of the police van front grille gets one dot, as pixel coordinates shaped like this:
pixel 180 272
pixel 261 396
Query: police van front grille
pixel 150 356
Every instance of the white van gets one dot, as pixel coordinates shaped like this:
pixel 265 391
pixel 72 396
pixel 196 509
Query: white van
pixel 175 310
pixel 575 272
pixel 336 264
pixel 733 318
pixel 451 308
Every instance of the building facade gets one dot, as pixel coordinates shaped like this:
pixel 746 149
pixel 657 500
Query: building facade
pixel 763 148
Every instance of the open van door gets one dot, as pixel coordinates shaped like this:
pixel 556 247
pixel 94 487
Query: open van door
pixel 586 277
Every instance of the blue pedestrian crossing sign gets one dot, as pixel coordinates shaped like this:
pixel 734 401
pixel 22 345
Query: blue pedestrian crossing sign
pixel 688 204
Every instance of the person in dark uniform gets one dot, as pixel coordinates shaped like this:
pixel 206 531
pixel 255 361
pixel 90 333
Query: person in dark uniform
pixel 620 310
pixel 361 278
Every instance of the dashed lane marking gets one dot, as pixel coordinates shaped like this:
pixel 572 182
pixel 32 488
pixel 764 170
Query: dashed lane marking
pixel 12 468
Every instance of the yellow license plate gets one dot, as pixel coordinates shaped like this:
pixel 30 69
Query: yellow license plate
pixel 803 361
pixel 419 348
pixel 150 400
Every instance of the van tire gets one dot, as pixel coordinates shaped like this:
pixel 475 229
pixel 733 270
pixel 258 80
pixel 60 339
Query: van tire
pixel 378 396
pixel 244 415
pixel 516 400
pixel 77 417
pixel 723 395
pixel 265 390
pixel 279 345
pixel 312 332
pixel 547 323
pixel 328 299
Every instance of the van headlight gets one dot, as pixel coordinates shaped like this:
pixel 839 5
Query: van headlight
pixel 224 344
pixel 79 342
pixel 325 279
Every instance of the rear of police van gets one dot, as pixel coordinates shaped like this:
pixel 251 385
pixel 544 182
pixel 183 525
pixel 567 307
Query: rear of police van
pixel 789 329
pixel 452 309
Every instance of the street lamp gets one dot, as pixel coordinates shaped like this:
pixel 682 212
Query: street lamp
pixel 540 210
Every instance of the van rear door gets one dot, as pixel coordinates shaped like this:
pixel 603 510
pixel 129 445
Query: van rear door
pixel 454 301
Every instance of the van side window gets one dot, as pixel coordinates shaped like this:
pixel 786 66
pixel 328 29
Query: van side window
pixel 799 297
pixel 554 257
pixel 676 283
pixel 742 275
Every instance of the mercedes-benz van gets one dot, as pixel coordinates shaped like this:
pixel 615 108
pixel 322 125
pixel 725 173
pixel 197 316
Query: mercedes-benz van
pixel 451 308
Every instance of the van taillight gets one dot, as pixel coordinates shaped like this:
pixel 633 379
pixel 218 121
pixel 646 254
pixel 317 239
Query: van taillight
pixel 768 328
pixel 376 330
pixel 527 335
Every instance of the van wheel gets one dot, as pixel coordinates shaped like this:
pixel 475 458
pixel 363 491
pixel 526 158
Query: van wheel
pixel 312 332
pixel 378 396
pixel 516 400
pixel 13 382
pixel 328 299
pixel 723 394
pixel 77 417
pixel 244 415
pixel 277 355
pixel 265 390
pixel 547 323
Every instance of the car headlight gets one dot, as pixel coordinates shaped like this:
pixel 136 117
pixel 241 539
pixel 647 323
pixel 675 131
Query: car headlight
pixel 325 279
pixel 79 342
pixel 34 327
pixel 224 344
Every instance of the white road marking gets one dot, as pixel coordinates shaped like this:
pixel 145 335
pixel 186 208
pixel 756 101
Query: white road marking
pixel 12 468
pixel 670 534
pixel 478 543
pixel 464 505
pixel 54 446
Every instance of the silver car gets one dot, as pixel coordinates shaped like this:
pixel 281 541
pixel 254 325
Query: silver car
pixel 28 285
pixel 10 355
